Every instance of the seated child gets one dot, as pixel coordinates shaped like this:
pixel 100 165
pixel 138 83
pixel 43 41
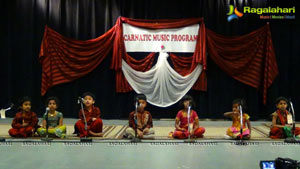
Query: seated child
pixel 25 122
pixel 182 124
pixel 55 120
pixel 140 121
pixel 92 115
pixel 234 131
pixel 282 121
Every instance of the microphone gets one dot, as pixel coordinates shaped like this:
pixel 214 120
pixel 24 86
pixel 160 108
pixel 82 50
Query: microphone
pixel 189 119
pixel 11 106
pixel 79 100
pixel 137 103
pixel 189 109
pixel 292 111
pixel 241 120
pixel 2 111
pixel 47 125
pixel 290 105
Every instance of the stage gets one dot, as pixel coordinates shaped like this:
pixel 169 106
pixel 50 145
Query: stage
pixel 114 130
pixel 216 52
pixel 112 151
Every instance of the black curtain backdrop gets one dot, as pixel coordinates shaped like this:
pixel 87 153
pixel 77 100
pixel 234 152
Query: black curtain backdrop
pixel 22 26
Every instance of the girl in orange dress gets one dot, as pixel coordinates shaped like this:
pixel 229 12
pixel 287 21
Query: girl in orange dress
pixel 234 130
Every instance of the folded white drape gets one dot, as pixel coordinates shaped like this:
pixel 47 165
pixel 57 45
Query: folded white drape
pixel 162 85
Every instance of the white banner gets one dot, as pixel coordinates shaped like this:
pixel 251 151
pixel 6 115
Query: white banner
pixel 162 85
pixel 169 40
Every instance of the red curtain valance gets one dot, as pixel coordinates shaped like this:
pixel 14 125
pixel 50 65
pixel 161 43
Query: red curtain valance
pixel 249 59
pixel 64 60
pixel 142 65
pixel 182 65
pixel 119 50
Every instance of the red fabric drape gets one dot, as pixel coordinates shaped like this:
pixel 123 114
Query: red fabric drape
pixel 249 59
pixel 142 65
pixel 64 60
pixel 184 66
pixel 119 51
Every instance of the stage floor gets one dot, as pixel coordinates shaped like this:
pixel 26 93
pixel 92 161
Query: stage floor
pixel 152 155
pixel 211 152
pixel 114 130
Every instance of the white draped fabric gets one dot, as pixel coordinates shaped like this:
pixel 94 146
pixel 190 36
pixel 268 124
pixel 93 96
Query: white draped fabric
pixel 162 85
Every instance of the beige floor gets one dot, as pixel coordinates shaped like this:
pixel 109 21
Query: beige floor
pixel 116 132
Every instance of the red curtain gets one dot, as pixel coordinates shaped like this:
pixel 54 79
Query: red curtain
pixel 119 51
pixel 184 66
pixel 142 65
pixel 64 60
pixel 249 59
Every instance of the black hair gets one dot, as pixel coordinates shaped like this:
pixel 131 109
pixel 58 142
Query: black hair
pixel 140 97
pixel 278 99
pixel 89 94
pixel 241 102
pixel 187 97
pixel 22 100
pixel 52 98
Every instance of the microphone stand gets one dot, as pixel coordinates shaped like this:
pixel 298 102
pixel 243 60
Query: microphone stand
pixel 47 127
pixel 189 117
pixel 2 139
pixel 292 139
pixel 84 139
pixel 135 139
pixel 189 127
pixel 241 122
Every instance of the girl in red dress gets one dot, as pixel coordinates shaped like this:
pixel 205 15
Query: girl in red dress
pixel 181 123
